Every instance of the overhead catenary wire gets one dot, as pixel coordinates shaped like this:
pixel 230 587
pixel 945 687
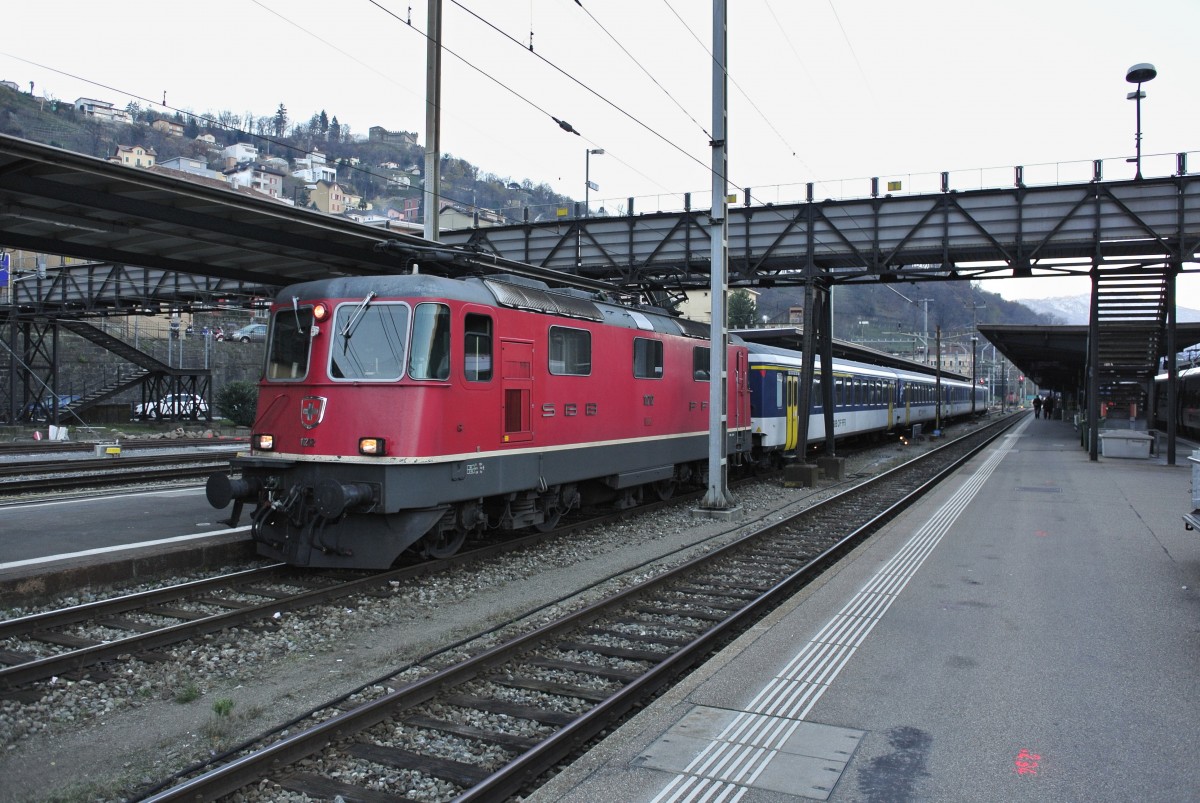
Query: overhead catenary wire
pixel 667 140
pixel 739 88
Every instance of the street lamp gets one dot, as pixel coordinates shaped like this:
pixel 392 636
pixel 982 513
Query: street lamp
pixel 1139 74
pixel 588 184
pixel 974 345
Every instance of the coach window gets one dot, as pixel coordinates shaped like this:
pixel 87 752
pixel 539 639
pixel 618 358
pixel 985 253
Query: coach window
pixel 429 357
pixel 700 358
pixel 367 342
pixel 647 358
pixel 477 348
pixel 570 351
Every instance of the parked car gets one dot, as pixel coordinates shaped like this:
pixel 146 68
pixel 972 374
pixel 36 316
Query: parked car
pixel 40 410
pixel 180 405
pixel 255 331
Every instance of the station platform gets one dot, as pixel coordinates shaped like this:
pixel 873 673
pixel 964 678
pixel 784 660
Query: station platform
pixel 1030 631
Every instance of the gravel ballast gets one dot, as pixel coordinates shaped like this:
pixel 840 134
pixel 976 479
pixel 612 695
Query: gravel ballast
pixel 104 740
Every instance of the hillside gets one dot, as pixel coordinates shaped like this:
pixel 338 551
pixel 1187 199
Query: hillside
pixel 358 161
pixel 891 316
pixel 1075 310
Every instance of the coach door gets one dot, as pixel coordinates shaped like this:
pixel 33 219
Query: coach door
pixel 791 411
pixel 516 379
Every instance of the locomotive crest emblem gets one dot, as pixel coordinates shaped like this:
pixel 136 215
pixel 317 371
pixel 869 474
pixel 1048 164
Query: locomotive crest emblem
pixel 312 410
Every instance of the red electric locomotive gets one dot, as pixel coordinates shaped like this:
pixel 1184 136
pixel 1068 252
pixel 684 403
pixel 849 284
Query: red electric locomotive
pixel 410 411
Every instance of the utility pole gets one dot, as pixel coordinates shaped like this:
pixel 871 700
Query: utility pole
pixel 433 115
pixel 717 497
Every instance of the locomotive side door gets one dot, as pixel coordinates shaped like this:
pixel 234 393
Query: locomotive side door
pixel 516 380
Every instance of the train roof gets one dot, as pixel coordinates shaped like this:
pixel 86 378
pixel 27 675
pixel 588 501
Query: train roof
pixel 513 292
pixel 789 357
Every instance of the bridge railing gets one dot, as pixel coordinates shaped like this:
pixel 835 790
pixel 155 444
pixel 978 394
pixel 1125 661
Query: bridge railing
pixel 1117 168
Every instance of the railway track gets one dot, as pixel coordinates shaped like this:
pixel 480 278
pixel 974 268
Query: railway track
pixel 130 444
pixel 37 476
pixel 76 642
pixel 488 727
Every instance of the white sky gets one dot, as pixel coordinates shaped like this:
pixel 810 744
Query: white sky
pixel 832 92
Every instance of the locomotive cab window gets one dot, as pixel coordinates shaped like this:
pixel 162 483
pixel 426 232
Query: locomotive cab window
pixel 429 357
pixel 477 348
pixel 290 337
pixel 700 360
pixel 570 351
pixel 647 358
pixel 366 342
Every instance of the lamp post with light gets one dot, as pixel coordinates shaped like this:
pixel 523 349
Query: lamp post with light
pixel 588 186
pixel 1139 74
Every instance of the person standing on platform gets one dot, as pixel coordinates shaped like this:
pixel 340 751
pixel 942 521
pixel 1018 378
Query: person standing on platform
pixel 1048 406
pixel 1037 406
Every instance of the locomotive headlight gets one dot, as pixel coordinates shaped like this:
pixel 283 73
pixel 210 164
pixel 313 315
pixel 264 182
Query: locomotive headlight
pixel 372 446
pixel 320 312
pixel 264 442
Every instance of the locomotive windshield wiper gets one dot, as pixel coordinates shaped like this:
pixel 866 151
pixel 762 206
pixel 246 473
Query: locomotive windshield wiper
pixel 348 330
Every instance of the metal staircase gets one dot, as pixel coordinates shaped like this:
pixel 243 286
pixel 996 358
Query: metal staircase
pixel 156 377
pixel 1131 316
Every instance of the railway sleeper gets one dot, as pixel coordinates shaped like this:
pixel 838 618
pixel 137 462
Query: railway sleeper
pixel 606 672
pixel 607 651
pixel 641 638
pixel 561 689
pixel 322 788
pixel 508 741
pixel 529 712
pixel 456 772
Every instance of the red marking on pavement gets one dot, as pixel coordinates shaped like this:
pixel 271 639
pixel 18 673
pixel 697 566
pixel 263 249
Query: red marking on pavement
pixel 1027 762
pixel 1040 533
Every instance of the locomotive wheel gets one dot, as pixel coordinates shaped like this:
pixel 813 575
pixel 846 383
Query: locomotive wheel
pixel 664 489
pixel 443 543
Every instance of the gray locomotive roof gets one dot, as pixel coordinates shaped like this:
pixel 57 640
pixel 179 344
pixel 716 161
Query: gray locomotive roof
pixel 514 292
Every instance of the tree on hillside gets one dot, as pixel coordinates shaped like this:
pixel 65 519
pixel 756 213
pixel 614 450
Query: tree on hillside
pixel 742 312
pixel 335 130
pixel 281 120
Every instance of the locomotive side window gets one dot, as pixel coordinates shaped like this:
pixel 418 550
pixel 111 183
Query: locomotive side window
pixel 647 358
pixel 288 358
pixel 700 359
pixel 477 348
pixel 368 342
pixel 429 357
pixel 570 351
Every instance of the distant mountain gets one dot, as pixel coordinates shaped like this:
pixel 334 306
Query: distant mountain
pixel 1075 310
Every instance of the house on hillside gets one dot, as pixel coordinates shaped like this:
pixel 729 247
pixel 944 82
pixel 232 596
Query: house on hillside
pixel 312 168
pixel 453 216
pixel 256 176
pixel 328 197
pixel 191 166
pixel 239 152
pixel 102 110
pixel 135 156
pixel 168 127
